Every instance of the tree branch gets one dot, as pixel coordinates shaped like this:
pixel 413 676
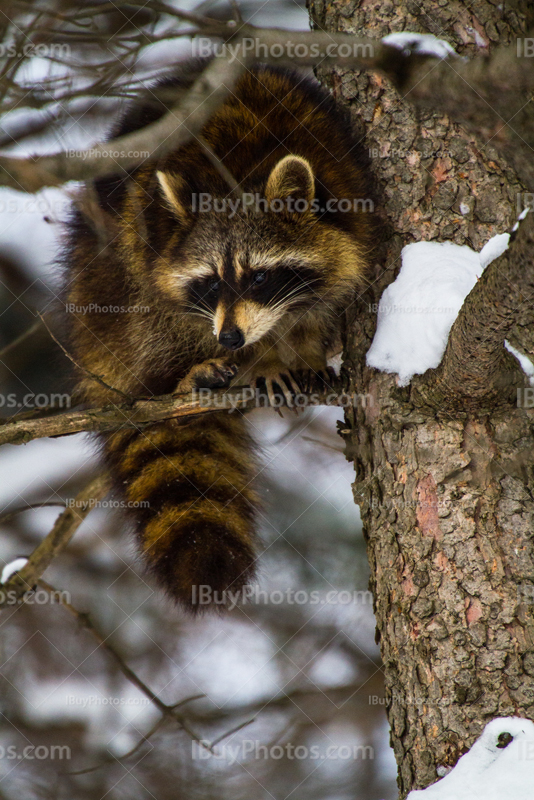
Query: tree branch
pixel 57 540
pixel 187 117
pixel 169 712
pixel 144 412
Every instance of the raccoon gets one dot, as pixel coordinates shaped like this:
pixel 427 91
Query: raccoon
pixel 191 291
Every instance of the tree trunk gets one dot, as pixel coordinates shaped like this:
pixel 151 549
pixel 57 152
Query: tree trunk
pixel 444 479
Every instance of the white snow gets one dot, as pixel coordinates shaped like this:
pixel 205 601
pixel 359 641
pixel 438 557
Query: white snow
pixel 526 364
pixel 11 568
pixel 421 43
pixel 521 217
pixel 417 310
pixel 494 248
pixel 490 771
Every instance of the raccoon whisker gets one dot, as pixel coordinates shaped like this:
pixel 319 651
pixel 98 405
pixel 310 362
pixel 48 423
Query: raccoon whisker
pixel 275 302
pixel 298 288
pixel 200 311
pixel 297 293
pixel 198 314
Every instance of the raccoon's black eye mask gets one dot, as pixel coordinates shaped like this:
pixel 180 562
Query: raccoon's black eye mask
pixel 285 284
pixel 274 286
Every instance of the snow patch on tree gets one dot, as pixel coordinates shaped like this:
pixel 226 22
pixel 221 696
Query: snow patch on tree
pixel 499 766
pixel 424 44
pixel 524 361
pixel 417 311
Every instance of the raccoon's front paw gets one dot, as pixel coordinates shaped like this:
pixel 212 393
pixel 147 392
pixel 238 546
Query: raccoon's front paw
pixel 216 374
pixel 281 388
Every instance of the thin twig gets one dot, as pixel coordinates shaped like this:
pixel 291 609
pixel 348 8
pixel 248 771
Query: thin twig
pixel 113 759
pixel 10 514
pixel 119 759
pixel 23 336
pixel 233 730
pixel 168 712
pixel 97 378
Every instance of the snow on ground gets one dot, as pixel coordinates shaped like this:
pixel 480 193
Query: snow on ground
pixel 417 310
pixel 499 766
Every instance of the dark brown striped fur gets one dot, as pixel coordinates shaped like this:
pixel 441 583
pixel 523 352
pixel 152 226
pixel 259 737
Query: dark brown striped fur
pixel 197 476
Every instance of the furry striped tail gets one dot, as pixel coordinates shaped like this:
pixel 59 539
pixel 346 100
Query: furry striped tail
pixel 188 486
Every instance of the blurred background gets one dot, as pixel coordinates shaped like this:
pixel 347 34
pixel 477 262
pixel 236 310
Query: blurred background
pixel 289 682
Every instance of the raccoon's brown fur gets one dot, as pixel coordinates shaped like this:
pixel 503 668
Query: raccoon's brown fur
pixel 270 285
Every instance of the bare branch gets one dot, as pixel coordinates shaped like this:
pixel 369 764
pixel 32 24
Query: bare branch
pixel 23 336
pixel 28 507
pixel 144 412
pixel 186 118
pixel 168 712
pixel 57 540
pixel 97 378
pixel 161 137
pixel 114 759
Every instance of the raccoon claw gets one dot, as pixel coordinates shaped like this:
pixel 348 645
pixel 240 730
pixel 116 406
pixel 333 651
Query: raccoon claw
pixel 323 380
pixel 281 386
pixel 328 378
pixel 208 375
pixel 217 375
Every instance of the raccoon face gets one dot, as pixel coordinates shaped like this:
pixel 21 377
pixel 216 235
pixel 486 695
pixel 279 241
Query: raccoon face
pixel 256 273
pixel 246 303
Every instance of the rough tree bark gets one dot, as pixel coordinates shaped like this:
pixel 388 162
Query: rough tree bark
pixel 444 473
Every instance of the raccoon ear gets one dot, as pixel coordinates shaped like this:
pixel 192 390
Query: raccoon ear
pixel 291 177
pixel 176 192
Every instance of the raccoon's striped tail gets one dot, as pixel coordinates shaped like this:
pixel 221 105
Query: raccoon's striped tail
pixel 190 483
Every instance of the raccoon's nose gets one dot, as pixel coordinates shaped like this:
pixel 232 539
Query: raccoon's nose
pixel 233 339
